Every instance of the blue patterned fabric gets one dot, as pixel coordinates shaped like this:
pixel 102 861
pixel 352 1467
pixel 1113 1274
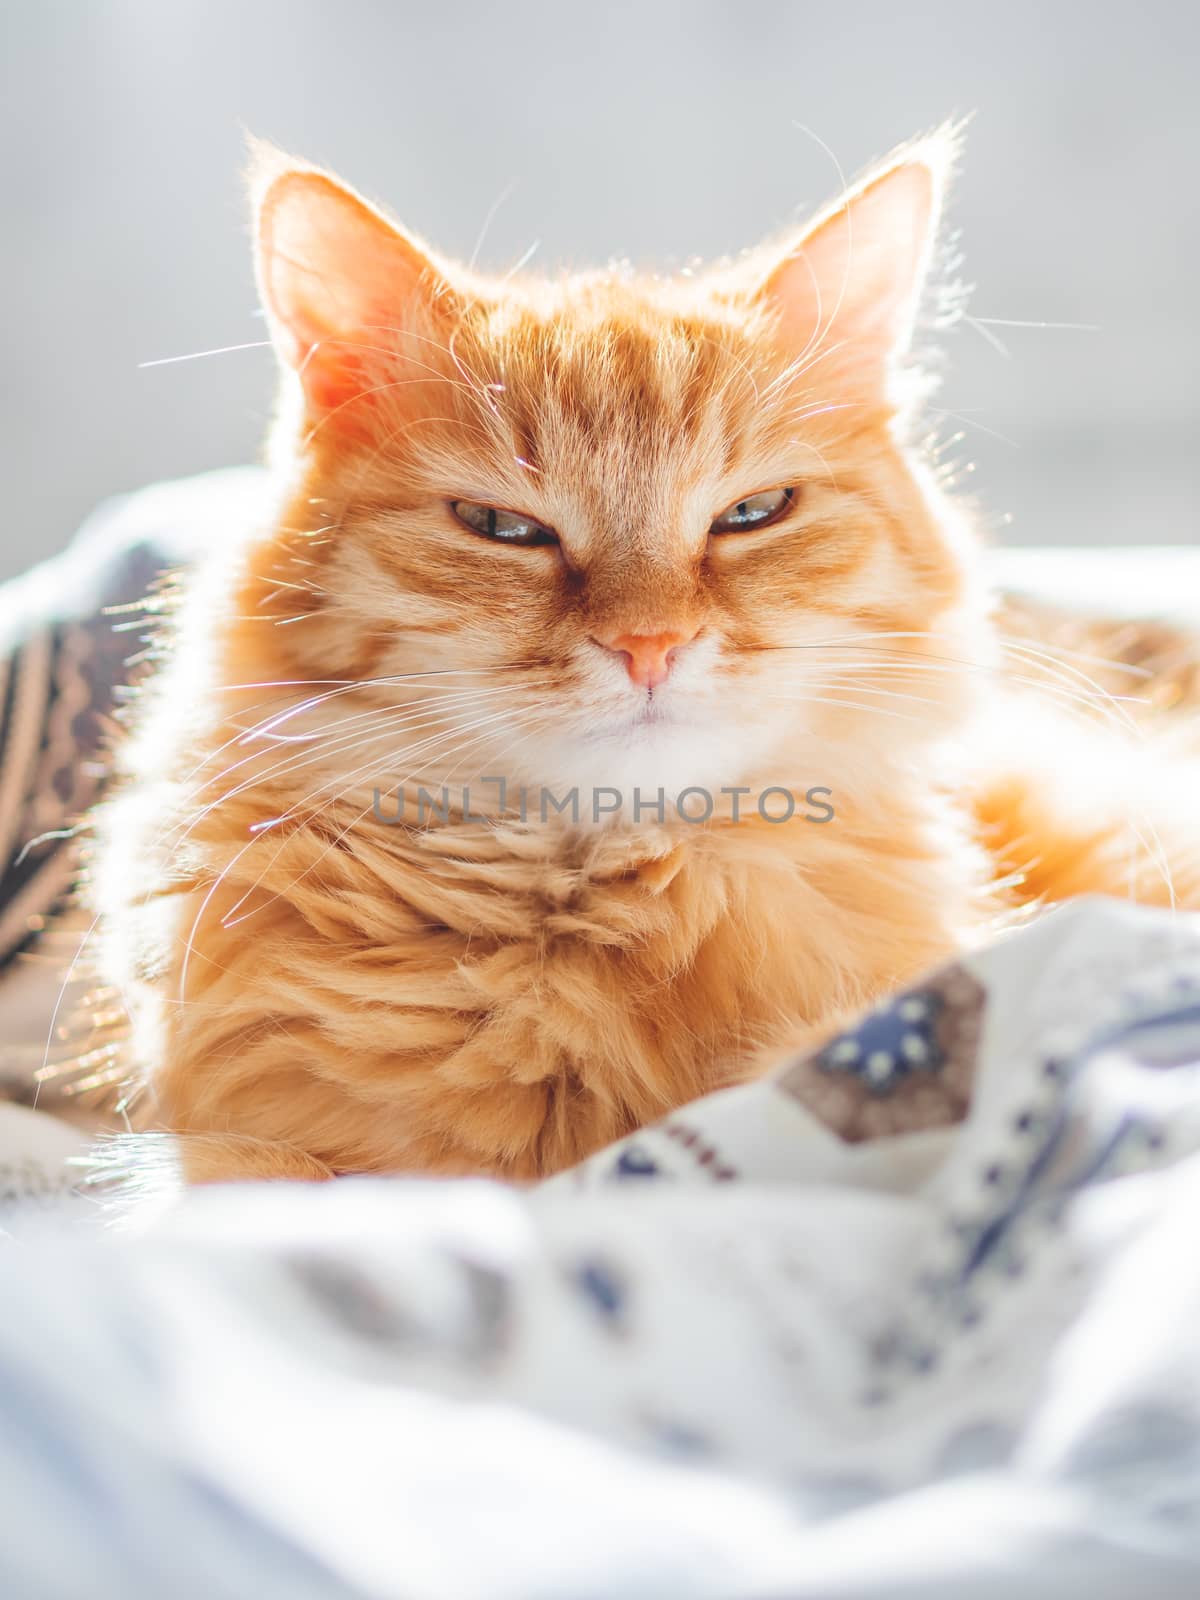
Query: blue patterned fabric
pixel 890 1043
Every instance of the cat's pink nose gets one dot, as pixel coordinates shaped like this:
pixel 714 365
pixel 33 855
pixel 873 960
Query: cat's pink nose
pixel 648 656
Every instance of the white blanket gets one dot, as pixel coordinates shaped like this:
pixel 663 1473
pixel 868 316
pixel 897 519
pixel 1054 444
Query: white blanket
pixel 734 1356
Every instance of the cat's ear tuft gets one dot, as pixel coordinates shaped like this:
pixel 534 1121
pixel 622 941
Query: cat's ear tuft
pixel 849 288
pixel 341 284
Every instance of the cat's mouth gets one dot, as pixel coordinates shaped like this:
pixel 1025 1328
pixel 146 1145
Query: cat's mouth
pixel 650 713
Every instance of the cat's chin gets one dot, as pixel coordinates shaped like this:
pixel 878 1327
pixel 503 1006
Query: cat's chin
pixel 647 723
pixel 637 757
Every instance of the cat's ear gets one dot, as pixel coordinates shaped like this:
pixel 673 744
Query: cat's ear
pixel 847 291
pixel 342 286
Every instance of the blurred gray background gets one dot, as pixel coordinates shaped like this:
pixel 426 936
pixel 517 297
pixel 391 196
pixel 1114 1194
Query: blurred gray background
pixel 652 130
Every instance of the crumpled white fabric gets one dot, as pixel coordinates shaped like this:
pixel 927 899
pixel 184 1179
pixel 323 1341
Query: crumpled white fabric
pixel 38 1180
pixel 733 1356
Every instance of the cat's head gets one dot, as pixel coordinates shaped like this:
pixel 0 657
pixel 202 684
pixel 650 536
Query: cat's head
pixel 610 528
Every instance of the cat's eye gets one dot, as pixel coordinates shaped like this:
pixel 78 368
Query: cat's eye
pixel 510 527
pixel 755 511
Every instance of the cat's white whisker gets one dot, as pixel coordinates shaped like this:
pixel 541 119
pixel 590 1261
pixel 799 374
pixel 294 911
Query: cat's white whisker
pixel 231 920
pixel 488 219
pixel 1013 322
pixel 381 719
pixel 196 355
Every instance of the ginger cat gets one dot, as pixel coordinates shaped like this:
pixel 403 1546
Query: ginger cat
pixel 600 534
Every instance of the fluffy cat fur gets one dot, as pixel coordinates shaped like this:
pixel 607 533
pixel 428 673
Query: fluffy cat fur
pixel 309 988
